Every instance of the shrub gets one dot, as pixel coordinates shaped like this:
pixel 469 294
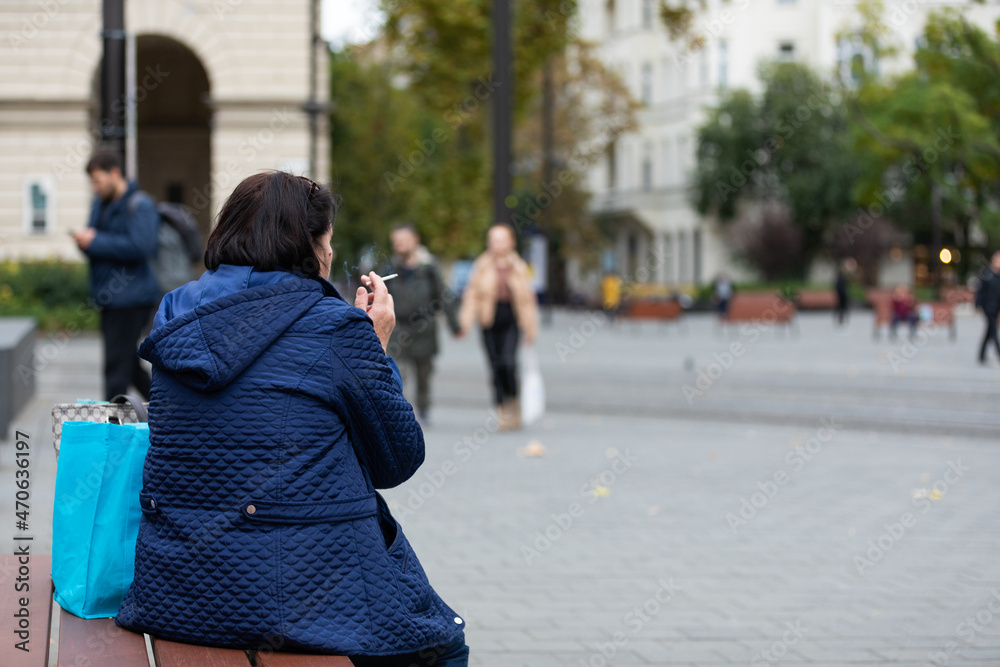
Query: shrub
pixel 54 292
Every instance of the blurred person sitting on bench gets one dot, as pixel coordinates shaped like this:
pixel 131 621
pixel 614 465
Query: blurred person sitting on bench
pixel 903 310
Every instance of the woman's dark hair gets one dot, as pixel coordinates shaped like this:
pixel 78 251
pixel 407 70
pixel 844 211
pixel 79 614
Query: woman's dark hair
pixel 272 221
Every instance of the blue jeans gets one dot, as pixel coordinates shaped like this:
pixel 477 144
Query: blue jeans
pixel 455 654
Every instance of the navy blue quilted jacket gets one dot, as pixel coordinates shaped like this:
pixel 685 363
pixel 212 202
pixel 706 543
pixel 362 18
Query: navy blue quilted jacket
pixel 274 417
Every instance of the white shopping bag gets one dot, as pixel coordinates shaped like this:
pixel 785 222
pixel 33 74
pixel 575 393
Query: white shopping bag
pixel 532 387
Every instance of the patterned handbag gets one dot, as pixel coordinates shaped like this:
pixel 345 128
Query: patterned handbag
pixel 120 410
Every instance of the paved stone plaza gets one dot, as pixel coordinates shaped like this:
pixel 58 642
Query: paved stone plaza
pixel 755 497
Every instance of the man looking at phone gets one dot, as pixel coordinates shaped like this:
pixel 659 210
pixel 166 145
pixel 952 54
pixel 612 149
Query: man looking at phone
pixel 119 240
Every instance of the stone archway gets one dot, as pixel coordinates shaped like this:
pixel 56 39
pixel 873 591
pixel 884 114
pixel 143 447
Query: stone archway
pixel 174 125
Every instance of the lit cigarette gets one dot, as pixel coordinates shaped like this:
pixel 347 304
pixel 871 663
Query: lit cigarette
pixel 384 278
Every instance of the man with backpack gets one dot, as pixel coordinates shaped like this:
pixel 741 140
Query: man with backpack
pixel 120 241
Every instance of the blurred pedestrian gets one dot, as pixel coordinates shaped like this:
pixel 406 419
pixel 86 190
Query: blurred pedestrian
pixel 119 241
pixel 722 292
pixel 419 295
pixel 499 296
pixel 611 295
pixel 903 310
pixel 988 301
pixel 840 287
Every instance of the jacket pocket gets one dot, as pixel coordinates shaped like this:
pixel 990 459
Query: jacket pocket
pixel 345 509
pixel 411 581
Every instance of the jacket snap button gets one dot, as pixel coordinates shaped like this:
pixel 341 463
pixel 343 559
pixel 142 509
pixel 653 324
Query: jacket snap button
pixel 251 509
pixel 458 620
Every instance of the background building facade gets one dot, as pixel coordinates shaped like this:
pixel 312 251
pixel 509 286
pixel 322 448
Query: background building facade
pixel 220 91
pixel 642 185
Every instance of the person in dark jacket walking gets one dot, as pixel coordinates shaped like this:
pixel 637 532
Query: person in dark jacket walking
pixel 276 414
pixel 988 301
pixel 119 241
pixel 840 286
pixel 418 295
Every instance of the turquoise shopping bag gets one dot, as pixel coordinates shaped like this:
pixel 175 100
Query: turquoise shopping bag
pixel 95 517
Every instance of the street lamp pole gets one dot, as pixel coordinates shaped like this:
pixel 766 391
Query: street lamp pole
pixel 502 99
pixel 112 122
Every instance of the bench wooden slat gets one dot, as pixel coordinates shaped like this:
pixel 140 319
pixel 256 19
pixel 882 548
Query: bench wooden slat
pixel 267 659
pixel 817 299
pixel 655 310
pixel 39 608
pixel 98 641
pixel 760 306
pixel 173 654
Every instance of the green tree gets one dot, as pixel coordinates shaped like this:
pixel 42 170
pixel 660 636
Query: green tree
pixel 444 49
pixel 395 159
pixel 446 45
pixel 787 147
pixel 411 123
pixel 372 123
pixel 927 140
pixel 590 107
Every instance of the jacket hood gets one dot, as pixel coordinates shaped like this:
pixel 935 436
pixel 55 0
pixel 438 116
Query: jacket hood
pixel 209 331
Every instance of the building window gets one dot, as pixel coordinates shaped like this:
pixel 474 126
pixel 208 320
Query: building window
pixel 647 168
pixel 854 58
pixel 703 68
pixel 786 51
pixel 612 160
pixel 723 63
pixel 668 258
pixel 667 162
pixel 648 12
pixel 647 84
pixel 682 157
pixel 682 264
pixel 38 206
pixel 696 255
pixel 628 174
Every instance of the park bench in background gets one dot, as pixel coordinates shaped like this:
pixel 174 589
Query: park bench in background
pixel 760 308
pixel 17 370
pixel 954 294
pixel 816 299
pixel 659 310
pixel 100 643
pixel 943 312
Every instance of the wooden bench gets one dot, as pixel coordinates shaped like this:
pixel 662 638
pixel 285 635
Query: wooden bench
pixel 101 643
pixel 760 308
pixel 943 313
pixel 816 299
pixel 957 295
pixel 657 310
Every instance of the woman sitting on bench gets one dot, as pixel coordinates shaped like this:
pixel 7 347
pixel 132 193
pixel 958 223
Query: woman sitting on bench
pixel 275 414
pixel 903 310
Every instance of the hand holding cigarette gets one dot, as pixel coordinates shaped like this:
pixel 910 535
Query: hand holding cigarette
pixel 378 304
